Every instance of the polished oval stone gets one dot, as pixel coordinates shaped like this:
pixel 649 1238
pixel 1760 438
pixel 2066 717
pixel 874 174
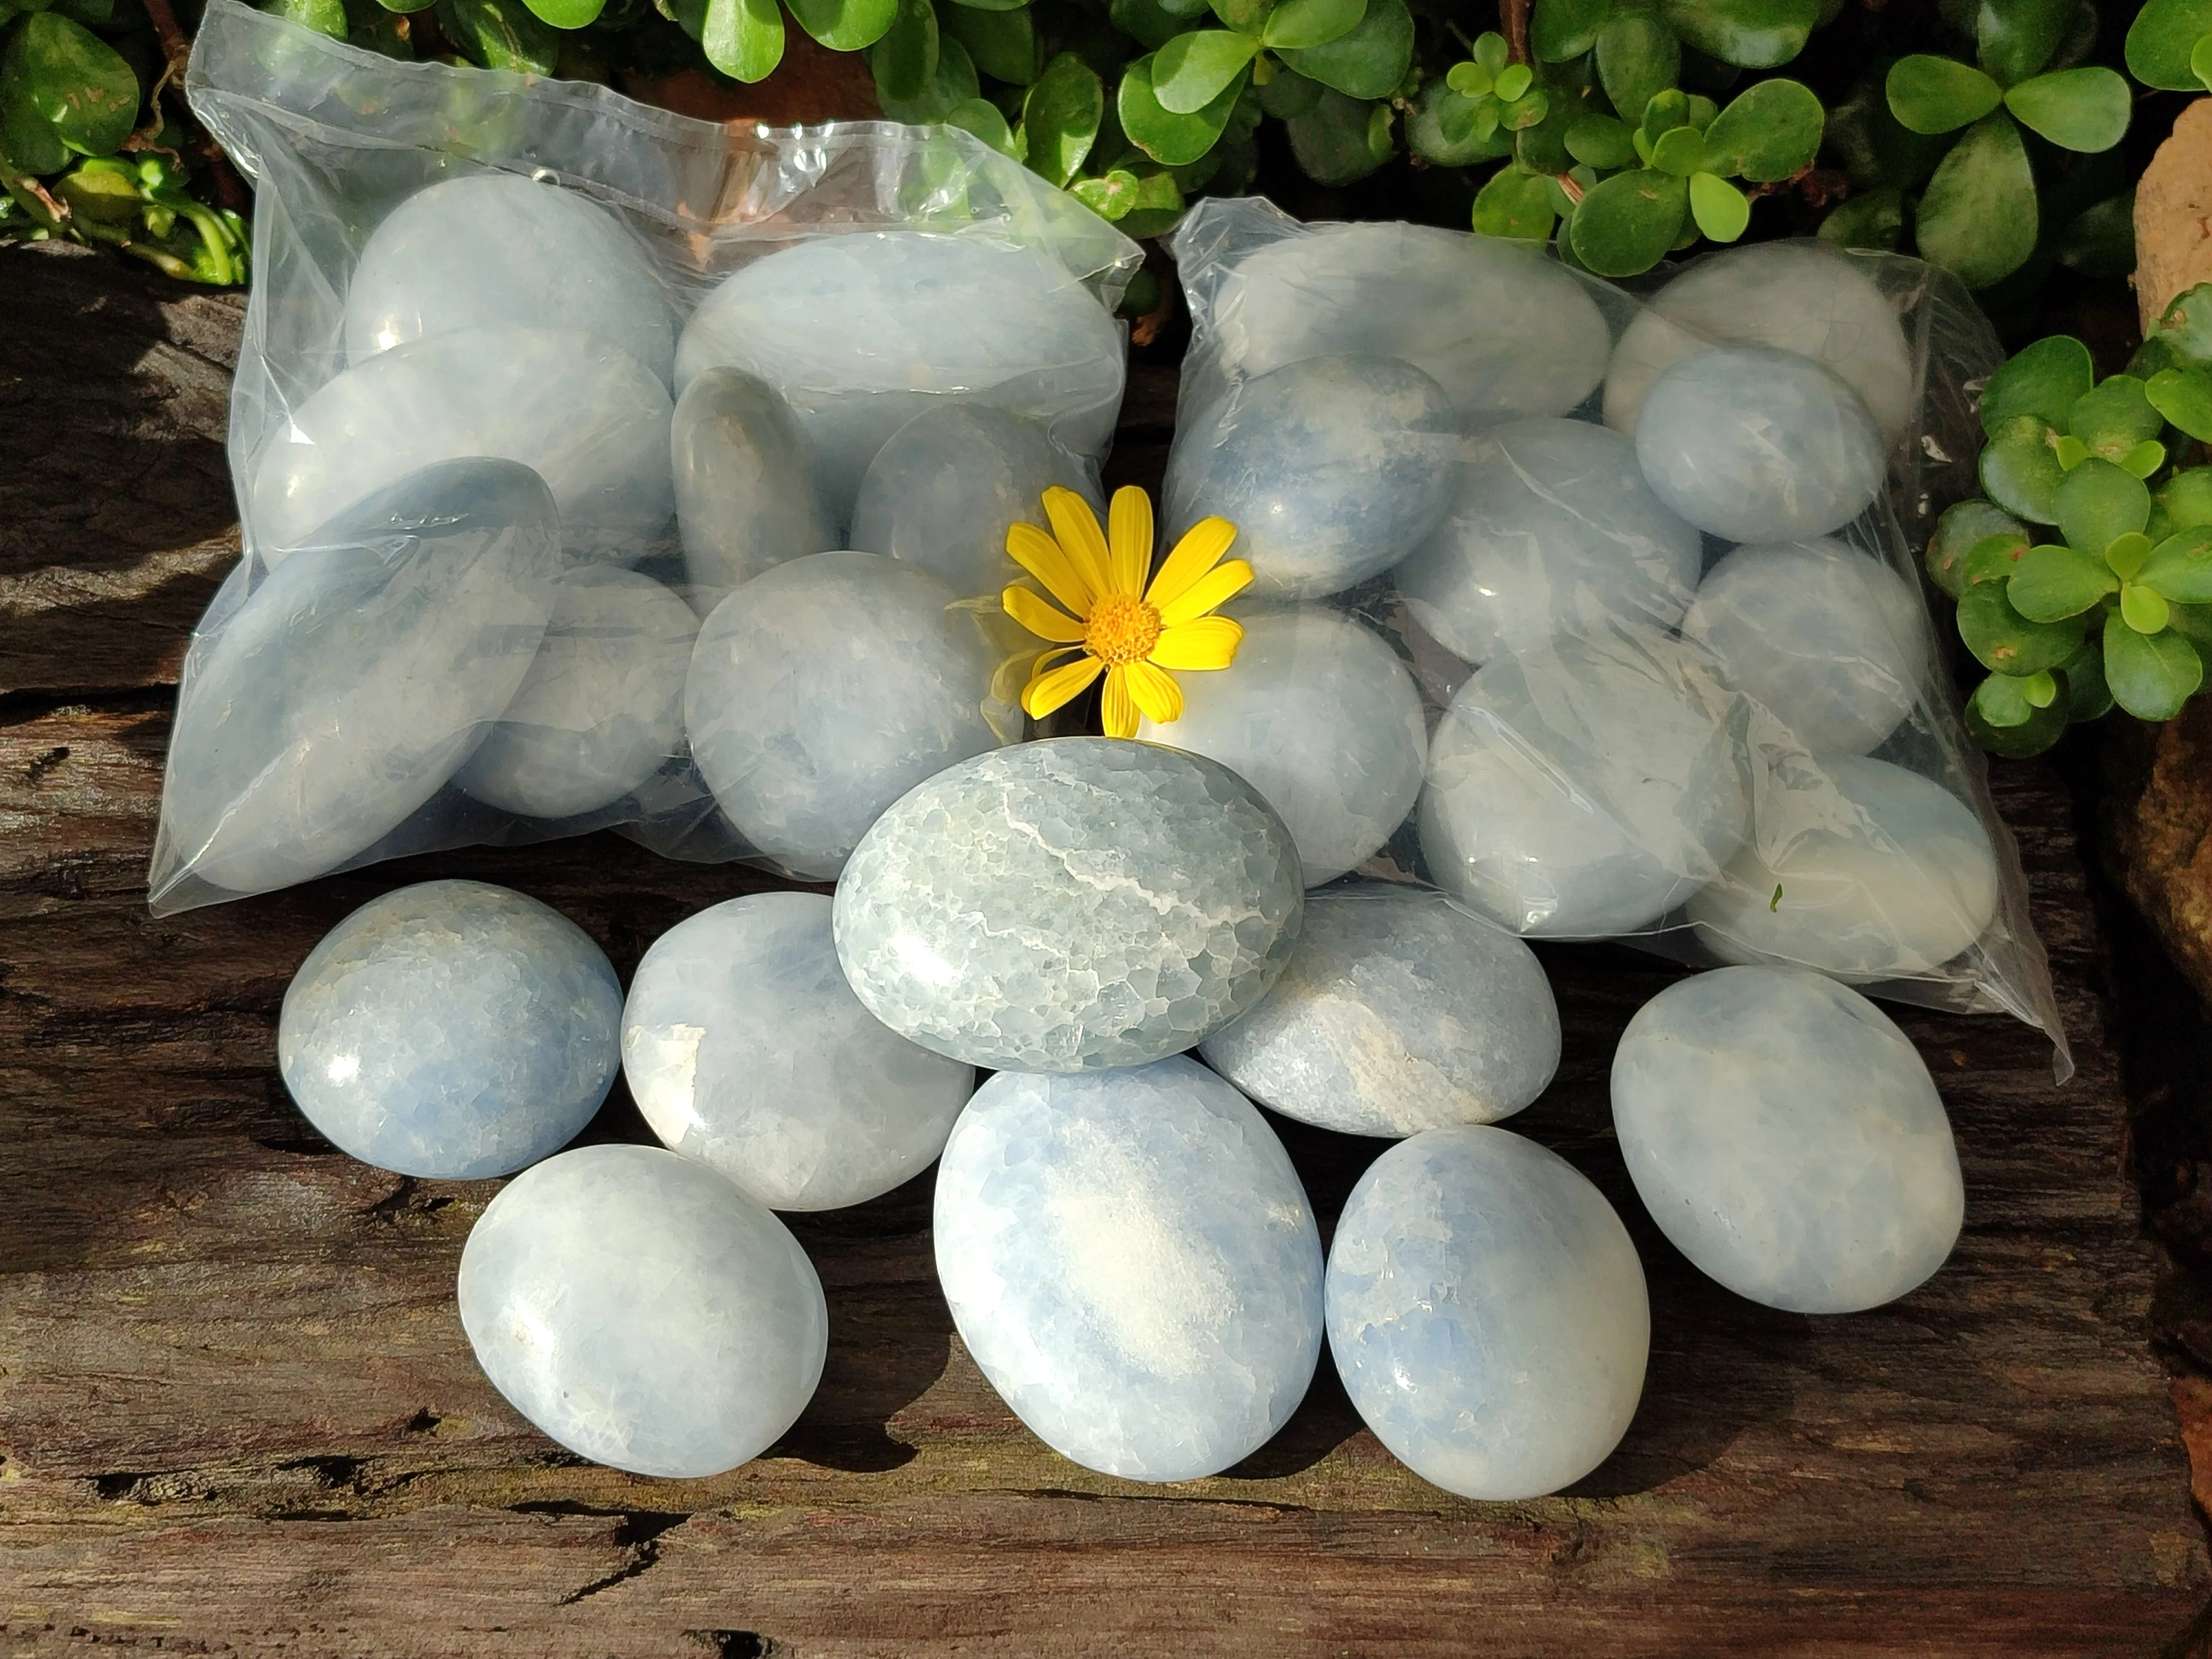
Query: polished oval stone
pixel 1131 1261
pixel 1070 905
pixel 745 498
pixel 1787 1138
pixel 1551 530
pixel 1583 789
pixel 601 709
pixel 584 416
pixel 822 691
pixel 1332 469
pixel 1318 714
pixel 1807 297
pixel 1826 638
pixel 1757 444
pixel 1856 868
pixel 451 1029
pixel 321 709
pixel 1398 1011
pixel 1487 1313
pixel 643 1312
pixel 745 1050
pixel 492 249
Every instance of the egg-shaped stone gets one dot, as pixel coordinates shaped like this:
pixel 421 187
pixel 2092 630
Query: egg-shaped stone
pixel 1551 530
pixel 452 1030
pixel 1070 905
pixel 1487 1313
pixel 1332 469
pixel 1758 445
pixel 822 691
pixel 1399 1012
pixel 1318 716
pixel 745 497
pixel 1856 868
pixel 643 1312
pixel 492 249
pixel 1131 1261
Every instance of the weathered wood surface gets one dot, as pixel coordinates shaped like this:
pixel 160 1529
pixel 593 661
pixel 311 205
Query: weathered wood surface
pixel 238 1414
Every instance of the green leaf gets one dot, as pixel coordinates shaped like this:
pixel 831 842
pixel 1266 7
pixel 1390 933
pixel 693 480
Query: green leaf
pixel 1193 70
pixel 1748 33
pixel 503 34
pixel 1680 151
pixel 953 85
pixel 2182 395
pixel 2071 452
pixel 1297 23
pixel 1928 94
pixel 2200 61
pixel 1369 62
pixel 1001 43
pixel 1600 142
pixel 1062 115
pixel 2160 40
pixel 2151 675
pixel 2100 240
pixel 2008 642
pixel 1667 110
pixel 2126 555
pixel 1146 22
pixel 2185 327
pixel 2179 568
pixel 1442 129
pixel 1159 206
pixel 1245 16
pixel 1338 139
pixel 1515 205
pixel 2019 469
pixel 1958 530
pixel 1720 209
pixel 324 16
pixel 1513 82
pixel 1771 131
pixel 2145 458
pixel 1169 137
pixel 1993 559
pixel 2099 503
pixel 2002 720
pixel 1875 219
pixel 1470 80
pixel 1560 29
pixel 1630 222
pixel 2114 417
pixel 905 59
pixel 63 89
pixel 2077 109
pixel 2051 583
pixel 1977 216
pixel 1873 147
pixel 2087 697
pixel 1109 196
pixel 845 25
pixel 1638 57
pixel 2045 379
pixel 988 122
pixel 2015 38
pixel 2002 699
pixel 2187 499
pixel 1287 93
pixel 569 13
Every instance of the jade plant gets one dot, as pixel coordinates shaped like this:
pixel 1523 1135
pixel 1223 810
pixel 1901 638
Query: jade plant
pixel 2169 46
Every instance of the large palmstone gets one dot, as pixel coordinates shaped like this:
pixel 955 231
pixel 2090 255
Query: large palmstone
pixel 1070 905
pixel 745 497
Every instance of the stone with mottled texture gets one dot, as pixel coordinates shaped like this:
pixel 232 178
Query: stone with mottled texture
pixel 745 498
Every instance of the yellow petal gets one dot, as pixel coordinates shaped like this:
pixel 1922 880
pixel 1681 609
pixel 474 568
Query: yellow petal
pixel 1217 587
pixel 1129 532
pixel 1155 692
pixel 1075 526
pixel 1057 687
pixel 1043 557
pixel 1040 618
pixel 1117 710
pixel 1208 642
pixel 1198 552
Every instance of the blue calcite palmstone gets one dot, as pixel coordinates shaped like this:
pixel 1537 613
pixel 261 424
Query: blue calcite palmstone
pixel 745 1050
pixel 452 1030
pixel 822 691
pixel 1320 716
pixel 1070 905
pixel 1332 469
pixel 1487 1313
pixel 1755 444
pixel 745 498
pixel 1551 530
pixel 493 249
pixel 1132 1261
pixel 643 1312
pixel 1399 1012
pixel 1787 1138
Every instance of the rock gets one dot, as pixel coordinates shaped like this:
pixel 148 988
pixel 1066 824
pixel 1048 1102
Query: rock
pixel 450 1030
pixel 643 1312
pixel 1070 905
pixel 2157 823
pixel 2173 215
pixel 745 498
pixel 1130 1259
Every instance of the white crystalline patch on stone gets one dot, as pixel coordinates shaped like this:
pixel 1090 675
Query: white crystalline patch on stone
pixel 643 1312
pixel 746 1051
pixel 450 1030
pixel 1131 1260
pixel 1399 1012
pixel 745 498
pixel 1788 1140
pixel 1070 905
pixel 1487 1313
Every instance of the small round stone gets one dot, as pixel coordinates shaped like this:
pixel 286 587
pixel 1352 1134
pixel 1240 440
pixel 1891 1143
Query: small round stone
pixel 744 483
pixel 1487 1313
pixel 1856 868
pixel 601 709
pixel 1070 905
pixel 1552 530
pixel 451 1029
pixel 643 1312
pixel 1399 1012
pixel 1131 1260
pixel 745 1050
pixel 1787 1138
pixel 822 691
pixel 1827 639
pixel 1757 444
pixel 1332 470
pixel 1583 789
pixel 1318 714
pixel 494 249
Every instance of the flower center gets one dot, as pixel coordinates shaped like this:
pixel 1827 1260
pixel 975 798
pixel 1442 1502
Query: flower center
pixel 1123 629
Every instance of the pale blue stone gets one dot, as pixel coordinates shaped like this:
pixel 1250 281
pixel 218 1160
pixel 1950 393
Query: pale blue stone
pixel 1487 1313
pixel 822 691
pixel 1552 530
pixel 745 1050
pixel 745 498
pixel 1131 1261
pixel 1318 716
pixel 1398 1011
pixel 1070 905
pixel 1332 470
pixel 494 249
pixel 451 1029
pixel 1787 1138
pixel 643 1312
pixel 1758 445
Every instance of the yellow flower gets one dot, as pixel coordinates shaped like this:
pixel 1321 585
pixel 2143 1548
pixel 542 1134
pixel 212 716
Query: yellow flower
pixel 1113 623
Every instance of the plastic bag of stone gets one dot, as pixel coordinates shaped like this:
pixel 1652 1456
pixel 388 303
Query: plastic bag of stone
pixel 778 394
pixel 1598 610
